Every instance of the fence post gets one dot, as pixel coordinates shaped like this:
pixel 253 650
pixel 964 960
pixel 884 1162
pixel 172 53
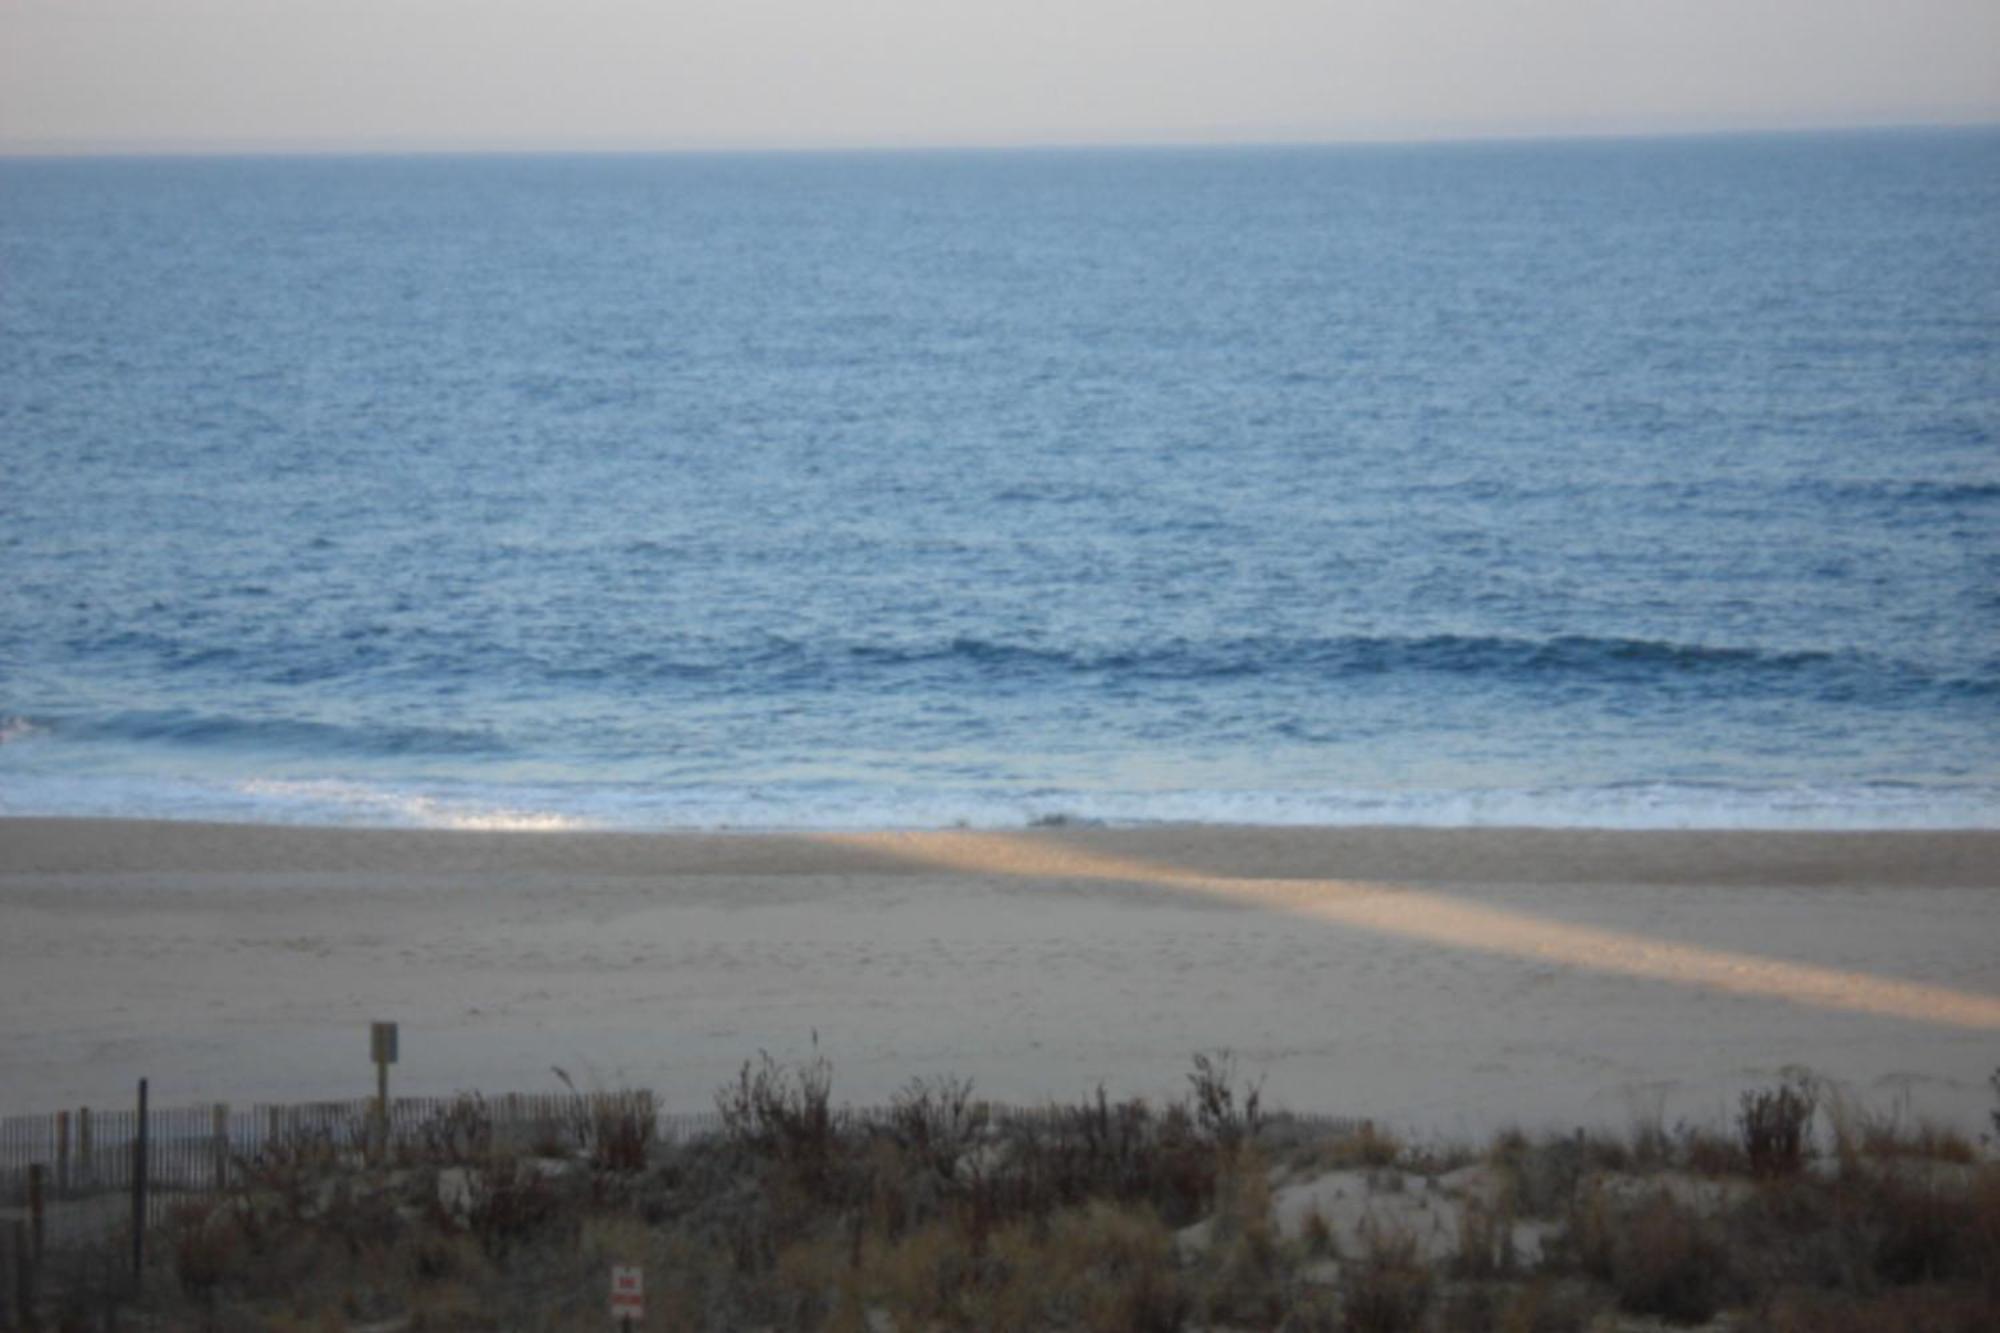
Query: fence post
pixel 139 1192
pixel 221 1124
pixel 62 1154
pixel 86 1169
pixel 38 1223
pixel 24 1279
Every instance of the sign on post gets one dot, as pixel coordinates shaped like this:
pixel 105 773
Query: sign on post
pixel 628 1295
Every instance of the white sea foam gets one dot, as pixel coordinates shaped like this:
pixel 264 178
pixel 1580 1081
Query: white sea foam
pixel 354 802
pixel 14 729
pixel 851 806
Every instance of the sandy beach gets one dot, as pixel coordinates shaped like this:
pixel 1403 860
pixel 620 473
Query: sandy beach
pixel 1448 981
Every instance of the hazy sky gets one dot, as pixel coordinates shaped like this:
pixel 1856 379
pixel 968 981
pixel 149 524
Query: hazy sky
pixel 417 74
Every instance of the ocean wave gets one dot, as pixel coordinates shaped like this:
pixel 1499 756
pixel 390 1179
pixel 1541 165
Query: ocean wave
pixel 186 728
pixel 773 664
pixel 1945 494
pixel 808 806
pixel 1578 658
pixel 362 803
pixel 767 662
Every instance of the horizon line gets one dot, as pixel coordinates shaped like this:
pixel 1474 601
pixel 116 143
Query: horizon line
pixel 50 150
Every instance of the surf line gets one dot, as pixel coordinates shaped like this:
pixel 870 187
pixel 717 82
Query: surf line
pixel 1457 923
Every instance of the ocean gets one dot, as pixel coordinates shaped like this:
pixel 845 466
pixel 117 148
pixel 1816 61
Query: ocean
pixel 1643 483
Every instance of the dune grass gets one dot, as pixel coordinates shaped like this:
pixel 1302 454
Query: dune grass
pixel 1101 1214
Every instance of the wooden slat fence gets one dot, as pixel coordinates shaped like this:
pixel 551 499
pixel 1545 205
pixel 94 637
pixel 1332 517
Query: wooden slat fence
pixel 194 1150
pixel 66 1177
pixel 79 1163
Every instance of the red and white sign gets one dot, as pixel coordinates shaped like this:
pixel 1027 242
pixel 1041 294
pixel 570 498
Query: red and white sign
pixel 628 1293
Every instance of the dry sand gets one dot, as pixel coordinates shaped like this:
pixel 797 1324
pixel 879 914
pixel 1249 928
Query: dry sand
pixel 1448 981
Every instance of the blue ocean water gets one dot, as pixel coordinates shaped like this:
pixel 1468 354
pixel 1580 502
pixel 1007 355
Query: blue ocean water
pixel 1618 483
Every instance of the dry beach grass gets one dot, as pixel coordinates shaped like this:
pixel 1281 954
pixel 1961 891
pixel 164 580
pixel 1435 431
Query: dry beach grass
pixel 1205 1213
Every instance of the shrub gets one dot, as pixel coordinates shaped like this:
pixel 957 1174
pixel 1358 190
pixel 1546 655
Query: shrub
pixel 1123 1152
pixel 205 1243
pixel 1544 1307
pixel 1929 1231
pixel 1650 1143
pixel 286 1171
pixel 784 1117
pixel 460 1133
pixel 1120 1265
pixel 616 1128
pixel 1388 1288
pixel 936 1122
pixel 1140 1299
pixel 1217 1112
pixel 810 1279
pixel 1708 1153
pixel 1925 1310
pixel 1248 1286
pixel 1318 1235
pixel 87 1281
pixel 1545 1174
pixel 1659 1256
pixel 1539 1306
pixel 923 1274
pixel 361 1217
pixel 508 1202
pixel 1773 1125
pixel 1924 1138
pixel 1485 1240
pixel 1370 1146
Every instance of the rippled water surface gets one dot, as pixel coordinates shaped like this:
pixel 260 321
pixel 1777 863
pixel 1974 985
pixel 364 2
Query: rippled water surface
pixel 1628 483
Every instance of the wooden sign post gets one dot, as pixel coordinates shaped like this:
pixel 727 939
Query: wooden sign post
pixel 382 1043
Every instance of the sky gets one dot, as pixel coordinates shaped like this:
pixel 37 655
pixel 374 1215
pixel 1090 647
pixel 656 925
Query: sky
pixel 422 75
